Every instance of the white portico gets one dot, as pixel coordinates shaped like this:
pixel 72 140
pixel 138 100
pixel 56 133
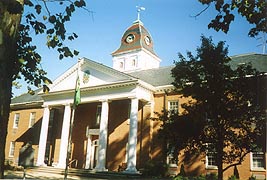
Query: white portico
pixel 99 84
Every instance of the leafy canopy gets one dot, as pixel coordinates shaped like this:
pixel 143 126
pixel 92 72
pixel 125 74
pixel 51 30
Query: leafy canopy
pixel 254 11
pixel 222 112
pixel 40 19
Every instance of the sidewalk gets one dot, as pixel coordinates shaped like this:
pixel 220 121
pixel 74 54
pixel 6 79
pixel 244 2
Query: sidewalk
pixel 42 176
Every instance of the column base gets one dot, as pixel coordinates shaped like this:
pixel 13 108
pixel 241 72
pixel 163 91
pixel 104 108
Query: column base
pixel 100 169
pixel 41 164
pixel 61 166
pixel 131 170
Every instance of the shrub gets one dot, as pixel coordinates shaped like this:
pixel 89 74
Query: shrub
pixel 211 176
pixel 180 178
pixel 233 177
pixel 155 169
pixel 252 178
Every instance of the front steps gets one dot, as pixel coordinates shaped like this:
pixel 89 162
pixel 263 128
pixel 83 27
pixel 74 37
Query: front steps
pixel 85 173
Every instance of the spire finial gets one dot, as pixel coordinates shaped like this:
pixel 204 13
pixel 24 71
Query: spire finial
pixel 139 8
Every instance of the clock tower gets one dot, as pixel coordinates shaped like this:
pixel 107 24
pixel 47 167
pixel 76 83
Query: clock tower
pixel 136 50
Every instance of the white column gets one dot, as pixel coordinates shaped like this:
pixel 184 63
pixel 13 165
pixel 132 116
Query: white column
pixel 103 136
pixel 43 137
pixel 88 152
pixel 132 139
pixel 64 137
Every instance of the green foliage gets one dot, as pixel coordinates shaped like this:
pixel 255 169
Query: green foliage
pixel 208 177
pixel 155 169
pixel 252 178
pixel 253 11
pixel 19 56
pixel 220 95
pixel 233 177
pixel 211 176
pixel 41 20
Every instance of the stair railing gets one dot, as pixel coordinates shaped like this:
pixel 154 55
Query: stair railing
pixel 73 161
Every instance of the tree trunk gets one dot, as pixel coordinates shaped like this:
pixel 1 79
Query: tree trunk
pixel 220 151
pixel 9 23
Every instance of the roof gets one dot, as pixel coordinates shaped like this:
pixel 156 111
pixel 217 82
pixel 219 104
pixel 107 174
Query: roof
pixel 258 61
pixel 156 77
pixel 27 98
pixel 161 76
pixel 141 39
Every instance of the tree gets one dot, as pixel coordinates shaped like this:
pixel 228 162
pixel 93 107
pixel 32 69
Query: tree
pixel 255 12
pixel 18 55
pixel 223 115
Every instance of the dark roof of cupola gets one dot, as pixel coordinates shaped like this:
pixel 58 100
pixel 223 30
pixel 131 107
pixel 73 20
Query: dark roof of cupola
pixel 140 38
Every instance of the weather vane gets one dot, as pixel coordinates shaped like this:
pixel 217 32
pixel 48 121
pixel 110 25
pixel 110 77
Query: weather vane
pixel 139 8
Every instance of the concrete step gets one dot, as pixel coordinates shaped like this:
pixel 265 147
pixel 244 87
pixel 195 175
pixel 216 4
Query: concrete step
pixel 85 173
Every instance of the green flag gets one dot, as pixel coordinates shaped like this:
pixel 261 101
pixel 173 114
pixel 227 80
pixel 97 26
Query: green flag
pixel 77 94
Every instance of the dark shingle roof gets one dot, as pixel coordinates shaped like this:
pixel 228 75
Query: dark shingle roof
pixel 156 77
pixel 26 97
pixel 258 61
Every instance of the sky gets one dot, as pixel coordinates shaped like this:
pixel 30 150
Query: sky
pixel 170 22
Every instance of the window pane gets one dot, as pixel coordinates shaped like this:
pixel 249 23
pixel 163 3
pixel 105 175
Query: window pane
pixel 98 114
pixel 32 119
pixel 16 120
pixel 173 106
pixel 12 149
pixel 258 160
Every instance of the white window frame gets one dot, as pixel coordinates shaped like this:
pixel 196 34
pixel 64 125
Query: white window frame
pixel 32 119
pixel 98 115
pixel 210 154
pixel 172 107
pixel 208 163
pixel 256 168
pixel 12 149
pixel 16 121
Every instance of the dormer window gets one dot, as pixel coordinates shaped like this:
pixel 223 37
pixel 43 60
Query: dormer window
pixel 133 62
pixel 121 65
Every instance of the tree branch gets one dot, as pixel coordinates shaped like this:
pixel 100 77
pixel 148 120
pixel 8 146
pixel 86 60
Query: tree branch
pixel 198 14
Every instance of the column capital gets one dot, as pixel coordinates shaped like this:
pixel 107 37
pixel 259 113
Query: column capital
pixel 105 100
pixel 132 97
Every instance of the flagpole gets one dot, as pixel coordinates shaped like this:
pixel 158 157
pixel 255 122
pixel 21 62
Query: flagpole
pixel 76 101
pixel 69 144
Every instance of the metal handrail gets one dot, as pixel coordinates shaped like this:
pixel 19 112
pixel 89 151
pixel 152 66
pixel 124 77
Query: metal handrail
pixel 74 160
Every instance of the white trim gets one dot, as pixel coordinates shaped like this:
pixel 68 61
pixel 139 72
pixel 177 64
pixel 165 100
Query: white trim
pixel 31 124
pixel 252 168
pixel 169 105
pixel 11 149
pixel 15 121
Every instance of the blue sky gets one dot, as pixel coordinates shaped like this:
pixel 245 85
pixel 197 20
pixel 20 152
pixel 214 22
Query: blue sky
pixel 169 22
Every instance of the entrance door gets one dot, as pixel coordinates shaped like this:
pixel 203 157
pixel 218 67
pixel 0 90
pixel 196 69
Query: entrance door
pixel 94 153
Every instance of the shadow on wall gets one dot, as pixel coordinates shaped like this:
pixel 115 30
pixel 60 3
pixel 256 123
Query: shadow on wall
pixel 29 138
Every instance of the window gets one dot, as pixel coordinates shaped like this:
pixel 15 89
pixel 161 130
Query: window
pixel 211 160
pixel 173 106
pixel 211 157
pixel 121 65
pixel 16 120
pixel 170 158
pixel 133 62
pixel 12 149
pixel 98 114
pixel 32 119
pixel 257 160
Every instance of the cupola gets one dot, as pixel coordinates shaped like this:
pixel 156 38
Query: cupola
pixel 136 50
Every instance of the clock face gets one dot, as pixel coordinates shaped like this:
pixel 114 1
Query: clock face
pixel 147 40
pixel 129 38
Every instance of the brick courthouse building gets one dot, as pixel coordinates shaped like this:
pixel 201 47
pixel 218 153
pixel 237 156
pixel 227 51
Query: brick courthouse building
pixel 112 125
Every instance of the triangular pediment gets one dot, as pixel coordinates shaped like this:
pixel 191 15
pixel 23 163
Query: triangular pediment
pixel 91 74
